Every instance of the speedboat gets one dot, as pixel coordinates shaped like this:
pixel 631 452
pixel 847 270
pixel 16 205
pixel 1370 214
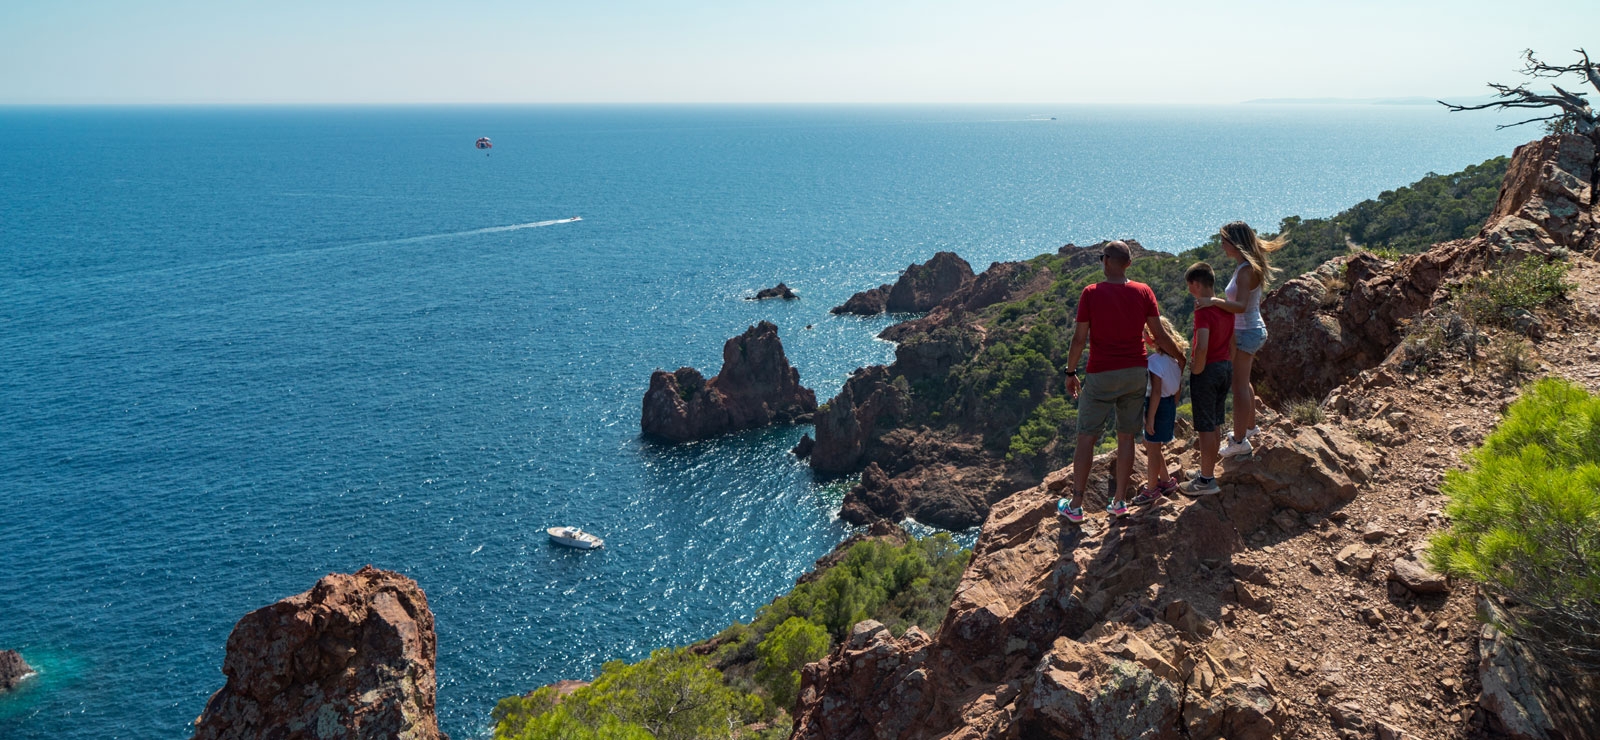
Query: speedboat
pixel 574 537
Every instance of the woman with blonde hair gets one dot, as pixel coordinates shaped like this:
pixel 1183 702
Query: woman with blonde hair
pixel 1250 279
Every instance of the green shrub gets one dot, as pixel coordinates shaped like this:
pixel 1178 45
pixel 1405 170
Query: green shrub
pixel 1526 523
pixel 672 695
pixel 1307 412
pixel 1512 356
pixel 784 652
pixel 1053 418
pixel 898 586
pixel 1500 297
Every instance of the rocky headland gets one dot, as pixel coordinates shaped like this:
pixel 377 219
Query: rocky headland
pixel 351 658
pixel 756 387
pixel 12 670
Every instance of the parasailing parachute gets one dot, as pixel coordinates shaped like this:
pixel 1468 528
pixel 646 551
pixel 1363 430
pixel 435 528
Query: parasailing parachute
pixel 484 143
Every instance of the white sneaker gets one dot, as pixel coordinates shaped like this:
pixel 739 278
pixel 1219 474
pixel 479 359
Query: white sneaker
pixel 1236 448
pixel 1251 432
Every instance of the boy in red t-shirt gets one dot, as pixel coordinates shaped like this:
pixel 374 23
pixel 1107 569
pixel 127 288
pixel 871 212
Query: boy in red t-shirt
pixel 1211 377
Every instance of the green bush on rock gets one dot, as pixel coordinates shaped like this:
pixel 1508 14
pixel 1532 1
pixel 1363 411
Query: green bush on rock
pixel 754 670
pixel 672 695
pixel 784 652
pixel 1526 523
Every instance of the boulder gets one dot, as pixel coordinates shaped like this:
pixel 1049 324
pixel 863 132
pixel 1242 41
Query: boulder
pixel 1410 571
pixel 756 386
pixel 12 669
pixel 777 291
pixel 351 658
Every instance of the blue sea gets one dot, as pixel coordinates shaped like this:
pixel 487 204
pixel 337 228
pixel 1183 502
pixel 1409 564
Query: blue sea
pixel 241 348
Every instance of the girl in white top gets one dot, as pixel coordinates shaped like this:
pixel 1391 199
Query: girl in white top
pixel 1160 413
pixel 1243 300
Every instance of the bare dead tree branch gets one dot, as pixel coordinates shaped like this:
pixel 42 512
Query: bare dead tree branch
pixel 1573 106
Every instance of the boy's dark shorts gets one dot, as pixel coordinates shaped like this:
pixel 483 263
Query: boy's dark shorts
pixel 1208 395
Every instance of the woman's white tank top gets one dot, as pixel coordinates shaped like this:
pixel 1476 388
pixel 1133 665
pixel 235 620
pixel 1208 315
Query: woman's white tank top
pixel 1251 318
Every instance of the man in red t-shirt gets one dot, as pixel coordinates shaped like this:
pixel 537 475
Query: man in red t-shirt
pixel 1112 317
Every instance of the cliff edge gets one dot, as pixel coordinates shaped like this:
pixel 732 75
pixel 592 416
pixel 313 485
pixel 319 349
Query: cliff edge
pixel 351 658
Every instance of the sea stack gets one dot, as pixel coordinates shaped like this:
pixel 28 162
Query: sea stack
pixel 756 386
pixel 12 669
pixel 351 658
pixel 777 291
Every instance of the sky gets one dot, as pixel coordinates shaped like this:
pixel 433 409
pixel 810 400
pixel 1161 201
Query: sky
pixel 754 51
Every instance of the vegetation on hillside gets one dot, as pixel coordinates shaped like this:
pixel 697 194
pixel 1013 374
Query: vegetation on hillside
pixel 1526 522
pixel 749 672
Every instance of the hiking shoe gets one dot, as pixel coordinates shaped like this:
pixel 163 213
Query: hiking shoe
pixel 1236 448
pixel 1251 432
pixel 1073 514
pixel 1116 508
pixel 1200 487
pixel 1169 485
pixel 1146 495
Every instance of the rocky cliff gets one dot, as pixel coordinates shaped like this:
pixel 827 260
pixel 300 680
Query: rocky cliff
pixel 756 386
pixel 351 658
pixel 1294 604
pixel 1348 315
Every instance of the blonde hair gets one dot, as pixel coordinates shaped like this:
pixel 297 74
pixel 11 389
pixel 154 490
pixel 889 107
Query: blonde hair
pixel 1254 248
pixel 1172 333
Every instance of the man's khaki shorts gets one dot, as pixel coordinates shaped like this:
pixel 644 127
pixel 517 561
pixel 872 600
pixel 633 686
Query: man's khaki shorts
pixel 1121 391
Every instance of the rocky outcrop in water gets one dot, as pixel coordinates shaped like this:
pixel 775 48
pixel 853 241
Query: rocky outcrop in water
pixel 919 288
pixel 351 658
pixel 777 291
pixel 12 669
pixel 756 386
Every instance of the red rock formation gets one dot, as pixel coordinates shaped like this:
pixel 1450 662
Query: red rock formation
pixel 1108 632
pixel 12 669
pixel 756 387
pixel 351 658
pixel 1347 316
pixel 919 288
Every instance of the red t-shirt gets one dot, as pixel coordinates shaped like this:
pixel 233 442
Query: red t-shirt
pixel 1219 341
pixel 1116 313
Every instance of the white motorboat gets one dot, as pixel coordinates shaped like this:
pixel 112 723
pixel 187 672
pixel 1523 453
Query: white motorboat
pixel 574 537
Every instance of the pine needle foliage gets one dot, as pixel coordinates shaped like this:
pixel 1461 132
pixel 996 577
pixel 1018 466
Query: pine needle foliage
pixel 1526 524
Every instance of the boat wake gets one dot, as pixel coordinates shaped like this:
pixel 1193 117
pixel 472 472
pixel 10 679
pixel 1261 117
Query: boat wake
pixel 469 232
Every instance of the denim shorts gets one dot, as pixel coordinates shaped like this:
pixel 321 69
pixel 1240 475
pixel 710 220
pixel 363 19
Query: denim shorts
pixel 1250 341
pixel 1166 418
pixel 1208 395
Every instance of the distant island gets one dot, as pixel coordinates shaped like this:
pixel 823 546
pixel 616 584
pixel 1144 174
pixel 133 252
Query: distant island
pixel 1352 101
